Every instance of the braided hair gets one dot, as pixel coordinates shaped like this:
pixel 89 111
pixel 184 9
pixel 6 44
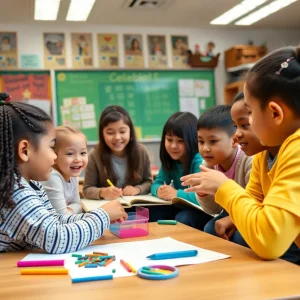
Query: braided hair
pixel 18 121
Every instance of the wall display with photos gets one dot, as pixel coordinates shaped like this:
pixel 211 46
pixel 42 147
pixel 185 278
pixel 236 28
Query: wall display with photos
pixel 82 50
pixel 133 49
pixel 8 50
pixel 54 50
pixel 108 50
pixel 180 45
pixel 157 51
pixel 150 96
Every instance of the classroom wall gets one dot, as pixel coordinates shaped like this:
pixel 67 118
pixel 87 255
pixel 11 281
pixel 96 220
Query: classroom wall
pixel 30 41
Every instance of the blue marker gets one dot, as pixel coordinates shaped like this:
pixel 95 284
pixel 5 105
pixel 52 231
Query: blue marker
pixel 177 254
pixel 94 278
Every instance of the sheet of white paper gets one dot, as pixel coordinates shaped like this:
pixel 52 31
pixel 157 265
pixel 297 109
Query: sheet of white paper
pixel 190 105
pixel 186 87
pixel 202 104
pixel 134 253
pixel 202 88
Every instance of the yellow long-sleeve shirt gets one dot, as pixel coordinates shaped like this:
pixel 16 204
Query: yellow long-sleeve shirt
pixel 267 213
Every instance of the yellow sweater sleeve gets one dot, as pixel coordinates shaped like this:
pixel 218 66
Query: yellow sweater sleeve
pixel 269 227
pixel 255 182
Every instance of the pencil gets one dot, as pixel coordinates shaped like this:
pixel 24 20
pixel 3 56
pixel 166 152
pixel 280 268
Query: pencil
pixel 111 184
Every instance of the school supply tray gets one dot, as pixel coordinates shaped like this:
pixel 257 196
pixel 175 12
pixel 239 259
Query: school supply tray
pixel 200 61
pixel 135 226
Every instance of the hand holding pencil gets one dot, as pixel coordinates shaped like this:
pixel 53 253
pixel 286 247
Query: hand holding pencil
pixel 111 192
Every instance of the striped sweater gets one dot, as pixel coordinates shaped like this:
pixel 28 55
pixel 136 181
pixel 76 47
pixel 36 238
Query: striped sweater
pixel 33 223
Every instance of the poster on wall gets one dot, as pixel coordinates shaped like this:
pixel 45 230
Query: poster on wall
pixel 82 50
pixel 54 50
pixel 30 61
pixel 31 88
pixel 8 50
pixel 157 51
pixel 108 50
pixel 180 45
pixel 133 49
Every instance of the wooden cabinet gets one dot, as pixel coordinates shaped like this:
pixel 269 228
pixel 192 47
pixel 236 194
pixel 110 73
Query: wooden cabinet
pixel 238 60
pixel 231 90
pixel 239 55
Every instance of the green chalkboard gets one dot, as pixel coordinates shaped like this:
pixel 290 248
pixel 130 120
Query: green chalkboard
pixel 149 96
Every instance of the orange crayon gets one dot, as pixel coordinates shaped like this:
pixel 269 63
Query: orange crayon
pixel 109 261
pixel 43 271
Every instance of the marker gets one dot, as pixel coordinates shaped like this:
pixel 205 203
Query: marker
pixel 111 184
pixel 133 270
pixel 177 254
pixel 125 265
pixel 94 278
pixel 167 222
pixel 40 263
pixel 76 255
pixel 40 271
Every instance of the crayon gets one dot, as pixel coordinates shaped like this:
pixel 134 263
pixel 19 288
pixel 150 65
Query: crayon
pixel 95 278
pixel 43 271
pixel 40 263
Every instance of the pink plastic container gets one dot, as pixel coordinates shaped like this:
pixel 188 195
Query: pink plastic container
pixel 136 225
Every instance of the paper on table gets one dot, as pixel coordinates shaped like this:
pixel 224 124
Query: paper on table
pixel 135 254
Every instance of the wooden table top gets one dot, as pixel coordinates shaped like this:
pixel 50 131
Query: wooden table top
pixel 243 276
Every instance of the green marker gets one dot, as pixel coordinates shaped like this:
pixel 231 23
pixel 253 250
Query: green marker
pixel 167 222
pixel 114 270
pixel 76 255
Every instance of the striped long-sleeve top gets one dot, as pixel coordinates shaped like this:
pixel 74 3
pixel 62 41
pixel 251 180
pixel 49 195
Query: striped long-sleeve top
pixel 33 223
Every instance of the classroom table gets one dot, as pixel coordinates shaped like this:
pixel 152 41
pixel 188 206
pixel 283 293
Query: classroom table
pixel 243 276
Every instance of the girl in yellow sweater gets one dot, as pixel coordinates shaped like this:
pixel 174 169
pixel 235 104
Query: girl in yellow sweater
pixel 270 224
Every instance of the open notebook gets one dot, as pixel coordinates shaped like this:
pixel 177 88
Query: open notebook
pixel 139 200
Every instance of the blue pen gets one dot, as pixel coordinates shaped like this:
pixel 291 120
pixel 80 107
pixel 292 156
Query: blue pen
pixel 177 254
pixel 94 278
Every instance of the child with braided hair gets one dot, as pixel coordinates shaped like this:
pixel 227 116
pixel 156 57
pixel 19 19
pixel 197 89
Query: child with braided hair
pixel 27 218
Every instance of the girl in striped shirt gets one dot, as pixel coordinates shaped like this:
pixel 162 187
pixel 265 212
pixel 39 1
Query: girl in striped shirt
pixel 27 218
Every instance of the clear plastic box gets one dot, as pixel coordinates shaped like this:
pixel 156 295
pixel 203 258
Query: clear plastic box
pixel 136 225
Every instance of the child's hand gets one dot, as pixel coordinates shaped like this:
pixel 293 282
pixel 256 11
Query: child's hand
pixel 111 193
pixel 225 228
pixel 201 194
pixel 115 211
pixel 131 190
pixel 207 182
pixel 166 192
